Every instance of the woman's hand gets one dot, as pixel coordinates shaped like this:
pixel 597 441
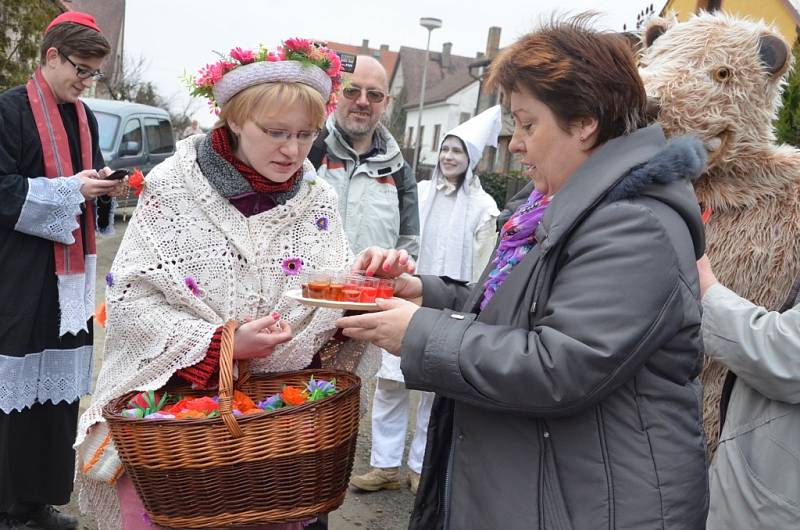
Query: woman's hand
pixel 707 278
pixel 409 288
pixel 396 264
pixel 384 263
pixel 385 328
pixel 258 338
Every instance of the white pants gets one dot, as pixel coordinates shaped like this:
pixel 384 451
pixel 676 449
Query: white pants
pixel 389 422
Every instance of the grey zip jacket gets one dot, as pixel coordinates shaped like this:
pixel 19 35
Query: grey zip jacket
pixel 377 195
pixel 572 400
pixel 755 476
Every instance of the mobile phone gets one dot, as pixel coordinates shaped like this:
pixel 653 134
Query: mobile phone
pixel 117 175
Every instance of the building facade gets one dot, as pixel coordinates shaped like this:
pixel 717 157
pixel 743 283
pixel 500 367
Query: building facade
pixel 784 14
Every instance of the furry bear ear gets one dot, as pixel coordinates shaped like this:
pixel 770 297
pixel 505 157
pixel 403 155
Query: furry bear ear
pixel 774 54
pixel 655 27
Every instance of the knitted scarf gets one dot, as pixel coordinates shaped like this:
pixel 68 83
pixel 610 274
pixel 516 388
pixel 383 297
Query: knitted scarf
pixel 517 238
pixel 221 143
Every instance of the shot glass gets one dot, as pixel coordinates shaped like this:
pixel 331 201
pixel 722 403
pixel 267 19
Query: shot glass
pixel 338 281
pixel 319 285
pixel 385 288
pixel 370 290
pixel 351 292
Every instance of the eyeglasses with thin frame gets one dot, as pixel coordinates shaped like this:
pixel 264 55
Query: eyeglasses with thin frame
pixel 281 136
pixel 354 92
pixel 82 72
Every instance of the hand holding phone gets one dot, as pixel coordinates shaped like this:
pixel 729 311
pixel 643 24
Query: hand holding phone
pixel 117 175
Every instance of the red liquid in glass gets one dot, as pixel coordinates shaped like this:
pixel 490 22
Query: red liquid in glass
pixel 385 291
pixel 335 292
pixel 318 290
pixel 305 290
pixel 351 293
pixel 368 294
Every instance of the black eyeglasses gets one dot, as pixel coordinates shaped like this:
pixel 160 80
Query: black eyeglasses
pixel 82 72
pixel 354 92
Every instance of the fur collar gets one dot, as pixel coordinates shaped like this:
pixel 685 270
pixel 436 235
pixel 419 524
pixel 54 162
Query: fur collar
pixel 682 157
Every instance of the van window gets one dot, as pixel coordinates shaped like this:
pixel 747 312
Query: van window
pixel 159 135
pixel 133 133
pixel 106 129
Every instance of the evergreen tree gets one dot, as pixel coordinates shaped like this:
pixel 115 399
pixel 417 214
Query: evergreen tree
pixel 22 24
pixel 787 126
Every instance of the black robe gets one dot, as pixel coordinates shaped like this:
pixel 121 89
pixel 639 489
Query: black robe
pixel 36 455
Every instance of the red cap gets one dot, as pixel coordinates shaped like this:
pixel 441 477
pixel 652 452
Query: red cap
pixel 75 17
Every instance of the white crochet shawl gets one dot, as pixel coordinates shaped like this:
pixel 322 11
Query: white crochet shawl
pixel 182 228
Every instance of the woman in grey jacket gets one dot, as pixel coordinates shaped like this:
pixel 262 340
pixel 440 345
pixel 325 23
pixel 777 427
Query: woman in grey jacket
pixel 755 476
pixel 567 376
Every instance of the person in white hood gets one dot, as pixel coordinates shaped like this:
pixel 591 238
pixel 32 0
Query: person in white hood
pixel 457 237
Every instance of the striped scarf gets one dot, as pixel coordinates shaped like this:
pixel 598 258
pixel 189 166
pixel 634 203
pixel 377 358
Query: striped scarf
pixel 75 265
pixel 58 163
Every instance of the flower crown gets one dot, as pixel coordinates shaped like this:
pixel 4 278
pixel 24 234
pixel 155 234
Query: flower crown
pixel 298 60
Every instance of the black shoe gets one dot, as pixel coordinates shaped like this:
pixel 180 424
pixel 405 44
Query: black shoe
pixel 44 517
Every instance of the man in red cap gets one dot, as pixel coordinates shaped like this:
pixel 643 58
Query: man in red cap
pixel 51 172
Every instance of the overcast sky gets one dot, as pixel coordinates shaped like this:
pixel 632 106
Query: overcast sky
pixel 180 35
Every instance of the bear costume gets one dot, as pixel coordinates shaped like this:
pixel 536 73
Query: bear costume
pixel 720 78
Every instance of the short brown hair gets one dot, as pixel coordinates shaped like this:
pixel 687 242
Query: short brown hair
pixel 74 39
pixel 578 72
pixel 268 99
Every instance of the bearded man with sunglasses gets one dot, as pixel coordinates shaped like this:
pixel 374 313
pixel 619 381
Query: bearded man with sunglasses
pixel 51 171
pixel 360 158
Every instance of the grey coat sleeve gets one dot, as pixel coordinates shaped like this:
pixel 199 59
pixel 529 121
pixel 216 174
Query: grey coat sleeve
pixel 613 304
pixel 761 347
pixel 408 239
pixel 441 292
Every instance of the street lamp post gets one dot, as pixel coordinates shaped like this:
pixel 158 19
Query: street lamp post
pixel 430 24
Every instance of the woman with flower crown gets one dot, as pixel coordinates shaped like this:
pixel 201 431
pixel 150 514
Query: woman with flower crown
pixel 221 230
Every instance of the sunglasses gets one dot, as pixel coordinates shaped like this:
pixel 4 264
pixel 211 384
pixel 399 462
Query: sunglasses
pixel 354 92
pixel 82 72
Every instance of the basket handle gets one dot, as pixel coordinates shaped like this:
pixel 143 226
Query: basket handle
pixel 226 385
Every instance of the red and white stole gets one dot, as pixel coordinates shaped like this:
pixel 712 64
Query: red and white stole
pixel 75 265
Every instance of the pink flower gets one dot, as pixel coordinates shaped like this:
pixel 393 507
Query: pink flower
pixel 292 266
pixel 225 67
pixel 277 55
pixel 243 56
pixel 298 45
pixel 212 73
pixel 192 285
pixel 336 65
pixel 331 106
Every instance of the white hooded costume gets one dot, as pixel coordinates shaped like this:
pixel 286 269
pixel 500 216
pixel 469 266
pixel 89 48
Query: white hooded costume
pixel 457 226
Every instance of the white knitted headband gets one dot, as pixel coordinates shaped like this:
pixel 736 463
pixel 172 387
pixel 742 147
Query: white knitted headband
pixel 271 72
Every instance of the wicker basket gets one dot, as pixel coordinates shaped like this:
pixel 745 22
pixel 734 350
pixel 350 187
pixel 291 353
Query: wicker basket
pixel 278 467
